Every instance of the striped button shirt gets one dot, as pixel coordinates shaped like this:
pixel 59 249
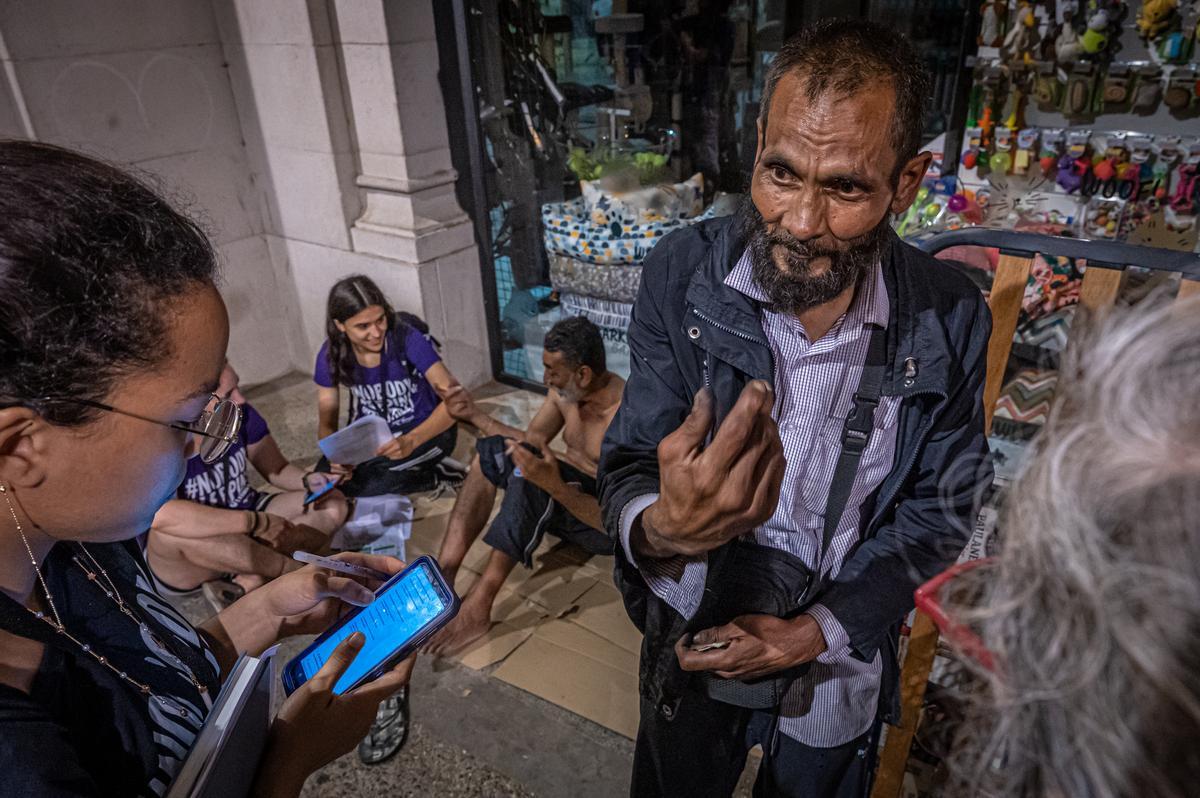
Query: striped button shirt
pixel 815 383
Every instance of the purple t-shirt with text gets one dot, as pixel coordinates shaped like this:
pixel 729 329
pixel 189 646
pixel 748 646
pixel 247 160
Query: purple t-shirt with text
pixel 390 390
pixel 224 483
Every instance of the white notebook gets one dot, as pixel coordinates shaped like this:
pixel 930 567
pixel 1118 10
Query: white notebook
pixel 225 756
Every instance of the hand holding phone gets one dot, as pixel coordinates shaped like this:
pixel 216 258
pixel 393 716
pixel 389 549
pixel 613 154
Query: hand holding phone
pixel 535 451
pixel 314 727
pixel 408 609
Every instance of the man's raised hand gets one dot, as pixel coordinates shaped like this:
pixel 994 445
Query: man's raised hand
pixel 710 495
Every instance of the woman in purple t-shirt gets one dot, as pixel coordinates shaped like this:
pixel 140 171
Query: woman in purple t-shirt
pixel 391 369
pixel 219 524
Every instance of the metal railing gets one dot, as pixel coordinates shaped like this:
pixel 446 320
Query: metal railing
pixel 1105 254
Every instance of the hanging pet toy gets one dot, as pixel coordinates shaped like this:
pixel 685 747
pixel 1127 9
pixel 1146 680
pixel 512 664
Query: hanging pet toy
pixel 974 140
pixel 1026 141
pixel 1074 164
pixel 1001 159
pixel 1167 151
pixel 1052 144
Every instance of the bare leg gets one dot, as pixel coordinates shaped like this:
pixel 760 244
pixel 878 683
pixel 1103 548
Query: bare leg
pixel 188 562
pixel 467 519
pixel 475 616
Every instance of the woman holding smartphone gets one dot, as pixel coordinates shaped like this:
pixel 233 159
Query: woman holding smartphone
pixel 390 367
pixel 112 340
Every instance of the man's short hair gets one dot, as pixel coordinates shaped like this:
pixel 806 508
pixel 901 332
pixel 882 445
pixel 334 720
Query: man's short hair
pixel 844 56
pixel 579 342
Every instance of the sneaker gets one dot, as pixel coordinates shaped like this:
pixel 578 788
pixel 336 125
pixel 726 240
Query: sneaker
pixel 388 733
pixel 451 471
pixel 220 593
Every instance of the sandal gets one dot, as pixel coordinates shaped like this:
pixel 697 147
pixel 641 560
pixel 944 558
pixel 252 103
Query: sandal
pixel 389 732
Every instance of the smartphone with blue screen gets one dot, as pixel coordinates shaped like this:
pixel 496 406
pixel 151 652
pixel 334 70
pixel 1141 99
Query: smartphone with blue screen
pixel 309 498
pixel 407 610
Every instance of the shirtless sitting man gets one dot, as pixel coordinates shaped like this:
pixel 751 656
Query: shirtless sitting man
pixel 543 492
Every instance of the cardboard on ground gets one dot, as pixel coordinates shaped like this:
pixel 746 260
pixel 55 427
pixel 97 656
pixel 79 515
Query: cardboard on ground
pixel 602 612
pixel 559 630
pixel 569 666
pixel 515 620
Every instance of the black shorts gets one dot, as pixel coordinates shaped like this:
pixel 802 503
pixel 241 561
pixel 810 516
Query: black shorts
pixel 378 476
pixel 527 512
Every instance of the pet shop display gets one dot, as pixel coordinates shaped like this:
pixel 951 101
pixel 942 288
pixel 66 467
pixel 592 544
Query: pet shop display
pixel 1072 64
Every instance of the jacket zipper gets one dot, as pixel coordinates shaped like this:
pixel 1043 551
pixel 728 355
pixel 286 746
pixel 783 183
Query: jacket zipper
pixel 912 460
pixel 736 334
pixel 727 329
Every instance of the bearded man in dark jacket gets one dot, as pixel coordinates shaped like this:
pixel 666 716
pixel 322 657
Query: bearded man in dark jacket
pixel 800 441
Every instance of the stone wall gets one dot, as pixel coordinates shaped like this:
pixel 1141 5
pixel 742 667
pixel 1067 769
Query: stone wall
pixel 143 83
pixel 310 136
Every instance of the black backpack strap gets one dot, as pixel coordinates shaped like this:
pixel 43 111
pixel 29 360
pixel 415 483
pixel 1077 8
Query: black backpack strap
pixel 419 324
pixel 856 433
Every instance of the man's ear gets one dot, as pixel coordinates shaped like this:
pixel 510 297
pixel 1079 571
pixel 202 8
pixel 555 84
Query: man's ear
pixel 22 447
pixel 909 181
pixel 584 376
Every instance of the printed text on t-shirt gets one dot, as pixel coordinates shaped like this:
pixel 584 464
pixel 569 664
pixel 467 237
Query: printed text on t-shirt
pixel 399 405
pixel 223 484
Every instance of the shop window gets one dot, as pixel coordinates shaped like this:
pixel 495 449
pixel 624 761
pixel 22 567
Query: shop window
pixel 606 124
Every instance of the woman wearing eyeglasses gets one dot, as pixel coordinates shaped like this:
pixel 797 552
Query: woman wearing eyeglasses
pixel 112 340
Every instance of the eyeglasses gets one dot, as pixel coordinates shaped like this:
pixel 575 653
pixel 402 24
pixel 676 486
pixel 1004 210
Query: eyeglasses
pixel 218 425
pixel 929 599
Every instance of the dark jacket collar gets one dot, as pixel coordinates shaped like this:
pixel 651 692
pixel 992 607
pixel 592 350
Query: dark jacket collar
pixel 917 339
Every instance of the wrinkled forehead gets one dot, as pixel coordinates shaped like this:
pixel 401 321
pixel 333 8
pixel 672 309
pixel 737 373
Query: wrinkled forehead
pixel 854 127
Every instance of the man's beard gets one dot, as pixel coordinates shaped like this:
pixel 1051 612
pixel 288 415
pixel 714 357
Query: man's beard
pixel 572 393
pixel 795 288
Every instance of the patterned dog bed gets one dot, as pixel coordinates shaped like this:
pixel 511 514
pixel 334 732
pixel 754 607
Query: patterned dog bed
pixel 605 314
pixel 571 276
pixel 568 230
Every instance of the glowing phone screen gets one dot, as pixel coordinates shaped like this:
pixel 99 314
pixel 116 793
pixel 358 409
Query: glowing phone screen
pixel 391 620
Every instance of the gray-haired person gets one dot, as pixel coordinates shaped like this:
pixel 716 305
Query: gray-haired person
pixel 1091 609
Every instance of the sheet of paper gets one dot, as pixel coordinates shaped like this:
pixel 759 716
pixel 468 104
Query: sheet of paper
pixel 381 525
pixel 356 443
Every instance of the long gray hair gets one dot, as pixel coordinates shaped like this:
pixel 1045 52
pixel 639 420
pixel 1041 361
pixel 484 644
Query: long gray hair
pixel 1092 608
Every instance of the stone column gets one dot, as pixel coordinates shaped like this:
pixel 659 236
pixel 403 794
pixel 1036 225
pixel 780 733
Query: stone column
pixel 406 183
pixel 345 125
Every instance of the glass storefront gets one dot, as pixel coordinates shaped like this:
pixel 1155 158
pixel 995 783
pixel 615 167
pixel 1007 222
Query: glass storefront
pixel 602 125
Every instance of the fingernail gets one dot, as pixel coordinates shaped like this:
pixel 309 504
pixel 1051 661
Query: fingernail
pixel 357 639
pixel 365 596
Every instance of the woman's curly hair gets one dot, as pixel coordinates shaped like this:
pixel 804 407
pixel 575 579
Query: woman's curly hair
pixel 91 262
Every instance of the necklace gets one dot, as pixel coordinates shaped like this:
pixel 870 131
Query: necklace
pixel 58 626
pixel 114 594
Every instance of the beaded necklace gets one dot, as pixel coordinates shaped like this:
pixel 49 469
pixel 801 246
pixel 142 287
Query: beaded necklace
pixel 114 595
